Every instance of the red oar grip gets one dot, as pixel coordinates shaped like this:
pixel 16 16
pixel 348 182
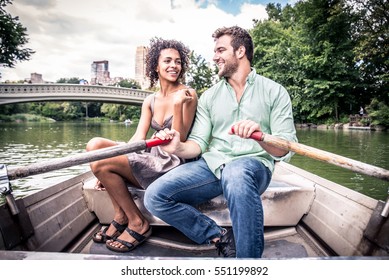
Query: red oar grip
pixel 156 142
pixel 256 135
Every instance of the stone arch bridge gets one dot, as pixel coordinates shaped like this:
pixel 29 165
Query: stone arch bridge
pixel 21 93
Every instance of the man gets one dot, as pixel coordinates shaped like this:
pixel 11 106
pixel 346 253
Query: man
pixel 230 163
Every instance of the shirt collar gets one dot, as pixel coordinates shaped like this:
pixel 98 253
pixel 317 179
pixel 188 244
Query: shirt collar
pixel 251 76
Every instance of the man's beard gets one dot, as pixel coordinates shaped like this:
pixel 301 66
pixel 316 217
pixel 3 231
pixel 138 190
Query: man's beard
pixel 229 69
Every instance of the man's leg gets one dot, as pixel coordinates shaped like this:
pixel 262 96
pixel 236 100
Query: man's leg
pixel 172 198
pixel 243 181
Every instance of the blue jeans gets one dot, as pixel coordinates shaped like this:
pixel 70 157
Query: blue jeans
pixel 173 198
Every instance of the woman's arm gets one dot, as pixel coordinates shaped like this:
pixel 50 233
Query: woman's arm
pixel 144 121
pixel 184 110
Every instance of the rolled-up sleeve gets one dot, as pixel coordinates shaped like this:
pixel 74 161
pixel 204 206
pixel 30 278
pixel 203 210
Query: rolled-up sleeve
pixel 202 127
pixel 281 120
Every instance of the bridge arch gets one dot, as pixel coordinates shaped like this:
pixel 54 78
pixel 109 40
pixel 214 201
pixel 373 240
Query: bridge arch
pixel 21 93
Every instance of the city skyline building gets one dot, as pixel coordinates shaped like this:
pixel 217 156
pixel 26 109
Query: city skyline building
pixel 100 73
pixel 36 78
pixel 140 67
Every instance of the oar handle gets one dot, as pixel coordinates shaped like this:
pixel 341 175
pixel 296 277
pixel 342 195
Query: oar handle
pixel 321 155
pixel 59 163
pixel 156 142
pixel 256 135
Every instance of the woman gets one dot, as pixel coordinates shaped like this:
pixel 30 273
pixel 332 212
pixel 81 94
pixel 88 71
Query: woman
pixel 173 106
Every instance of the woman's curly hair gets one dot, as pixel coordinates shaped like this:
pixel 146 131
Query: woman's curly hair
pixel 154 50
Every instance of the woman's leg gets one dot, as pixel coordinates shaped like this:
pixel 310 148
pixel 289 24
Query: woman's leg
pixel 114 173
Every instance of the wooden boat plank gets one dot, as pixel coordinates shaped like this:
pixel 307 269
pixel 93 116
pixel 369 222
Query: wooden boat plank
pixel 339 222
pixel 357 197
pixel 58 215
pixel 52 190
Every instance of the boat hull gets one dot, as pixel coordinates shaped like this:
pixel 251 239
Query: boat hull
pixel 306 216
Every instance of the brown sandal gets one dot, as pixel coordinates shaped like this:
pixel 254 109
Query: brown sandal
pixel 101 236
pixel 129 246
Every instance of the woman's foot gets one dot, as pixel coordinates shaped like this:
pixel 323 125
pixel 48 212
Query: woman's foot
pixel 130 236
pixel 109 232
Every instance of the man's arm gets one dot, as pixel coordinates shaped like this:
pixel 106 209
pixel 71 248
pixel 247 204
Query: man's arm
pixel 245 128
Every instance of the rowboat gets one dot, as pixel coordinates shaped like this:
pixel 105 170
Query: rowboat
pixel 306 216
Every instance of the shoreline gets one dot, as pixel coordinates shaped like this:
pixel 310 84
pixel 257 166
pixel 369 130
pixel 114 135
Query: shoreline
pixel 345 126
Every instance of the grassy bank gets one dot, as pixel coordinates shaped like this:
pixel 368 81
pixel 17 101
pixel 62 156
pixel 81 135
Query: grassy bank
pixel 25 118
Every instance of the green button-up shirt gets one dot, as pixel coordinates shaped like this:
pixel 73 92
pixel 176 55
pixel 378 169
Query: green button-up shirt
pixel 263 101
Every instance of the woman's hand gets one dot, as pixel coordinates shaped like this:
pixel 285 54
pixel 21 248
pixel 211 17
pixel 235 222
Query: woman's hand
pixel 172 134
pixel 181 96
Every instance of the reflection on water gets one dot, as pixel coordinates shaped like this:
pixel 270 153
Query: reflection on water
pixel 22 144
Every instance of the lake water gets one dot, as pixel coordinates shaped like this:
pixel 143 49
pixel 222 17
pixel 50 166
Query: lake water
pixel 25 143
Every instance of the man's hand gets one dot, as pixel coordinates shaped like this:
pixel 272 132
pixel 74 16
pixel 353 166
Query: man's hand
pixel 245 128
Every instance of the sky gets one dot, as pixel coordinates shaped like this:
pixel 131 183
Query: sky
pixel 68 35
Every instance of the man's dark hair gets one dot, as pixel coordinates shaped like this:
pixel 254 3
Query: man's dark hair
pixel 154 50
pixel 239 37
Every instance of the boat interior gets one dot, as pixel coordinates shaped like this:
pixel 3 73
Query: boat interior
pixel 306 216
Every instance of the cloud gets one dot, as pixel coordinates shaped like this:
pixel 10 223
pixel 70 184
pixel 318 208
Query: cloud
pixel 69 35
pixel 38 3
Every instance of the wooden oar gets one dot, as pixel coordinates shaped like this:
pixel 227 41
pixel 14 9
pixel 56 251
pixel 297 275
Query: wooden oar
pixel 321 155
pixel 59 163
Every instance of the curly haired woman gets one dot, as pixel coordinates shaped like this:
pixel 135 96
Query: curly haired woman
pixel 173 106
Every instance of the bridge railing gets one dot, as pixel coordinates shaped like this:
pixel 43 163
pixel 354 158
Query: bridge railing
pixel 16 93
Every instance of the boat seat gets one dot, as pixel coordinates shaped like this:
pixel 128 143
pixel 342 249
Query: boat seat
pixel 285 202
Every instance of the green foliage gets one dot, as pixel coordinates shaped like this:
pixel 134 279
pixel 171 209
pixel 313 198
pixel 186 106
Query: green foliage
pixel 199 75
pixel 129 83
pixel 378 112
pixel 20 118
pixel 371 32
pixel 13 37
pixel 73 80
pixel 11 109
pixel 119 111
pixel 310 49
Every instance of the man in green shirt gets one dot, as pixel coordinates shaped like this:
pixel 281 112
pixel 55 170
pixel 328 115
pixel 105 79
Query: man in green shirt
pixel 231 164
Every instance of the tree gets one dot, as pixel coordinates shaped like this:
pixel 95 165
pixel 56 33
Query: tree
pixel 119 111
pixel 74 81
pixel 129 83
pixel 308 49
pixel 371 32
pixel 13 37
pixel 199 75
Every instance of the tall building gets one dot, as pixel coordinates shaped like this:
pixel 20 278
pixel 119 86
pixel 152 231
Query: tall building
pixel 140 67
pixel 36 78
pixel 100 73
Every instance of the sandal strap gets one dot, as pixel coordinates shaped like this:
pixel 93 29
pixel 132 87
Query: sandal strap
pixel 102 232
pixel 129 245
pixel 120 228
pixel 138 237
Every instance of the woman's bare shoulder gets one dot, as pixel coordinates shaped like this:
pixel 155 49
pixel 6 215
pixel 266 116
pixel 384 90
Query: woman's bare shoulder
pixel 148 99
